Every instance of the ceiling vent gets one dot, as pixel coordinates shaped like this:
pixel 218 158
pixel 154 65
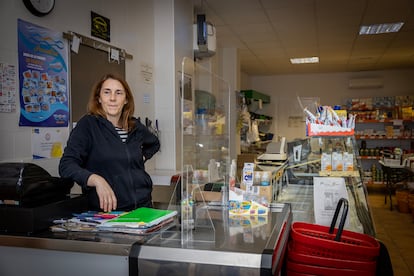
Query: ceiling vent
pixel 366 83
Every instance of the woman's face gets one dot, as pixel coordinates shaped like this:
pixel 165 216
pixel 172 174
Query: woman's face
pixel 112 98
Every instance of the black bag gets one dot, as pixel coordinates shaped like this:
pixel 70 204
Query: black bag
pixel 29 185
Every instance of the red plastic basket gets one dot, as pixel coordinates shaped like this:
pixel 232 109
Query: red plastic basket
pixel 331 242
pixel 293 268
pixel 315 240
pixel 369 267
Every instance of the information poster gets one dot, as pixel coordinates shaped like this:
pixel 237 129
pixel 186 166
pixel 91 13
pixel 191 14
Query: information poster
pixel 7 87
pixel 326 193
pixel 43 76
pixel 48 142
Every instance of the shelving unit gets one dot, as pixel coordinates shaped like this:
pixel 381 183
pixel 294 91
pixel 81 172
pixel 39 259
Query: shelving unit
pixel 373 136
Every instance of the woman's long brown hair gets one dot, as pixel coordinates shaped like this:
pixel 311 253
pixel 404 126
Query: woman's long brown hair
pixel 95 108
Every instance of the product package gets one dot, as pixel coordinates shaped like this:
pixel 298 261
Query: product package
pixel 326 162
pixel 337 161
pixel 348 159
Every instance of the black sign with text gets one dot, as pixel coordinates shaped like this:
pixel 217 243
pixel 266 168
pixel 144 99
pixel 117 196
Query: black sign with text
pixel 100 26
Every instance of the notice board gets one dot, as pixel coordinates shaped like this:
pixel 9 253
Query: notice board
pixel 87 67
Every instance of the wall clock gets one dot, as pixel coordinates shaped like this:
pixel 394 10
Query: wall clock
pixel 39 7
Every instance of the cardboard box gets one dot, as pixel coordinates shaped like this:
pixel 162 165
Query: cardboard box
pixel 265 192
pixel 199 194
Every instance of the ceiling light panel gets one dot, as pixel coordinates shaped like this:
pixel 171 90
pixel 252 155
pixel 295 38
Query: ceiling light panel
pixel 304 60
pixel 380 28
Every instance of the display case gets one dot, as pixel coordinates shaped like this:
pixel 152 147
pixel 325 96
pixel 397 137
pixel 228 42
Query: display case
pixel 308 164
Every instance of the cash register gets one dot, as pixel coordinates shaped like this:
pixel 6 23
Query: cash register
pixel 275 155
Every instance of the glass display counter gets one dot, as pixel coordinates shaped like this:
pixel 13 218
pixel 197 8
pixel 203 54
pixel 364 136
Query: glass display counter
pixel 305 162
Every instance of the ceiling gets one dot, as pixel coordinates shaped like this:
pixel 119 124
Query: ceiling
pixel 270 32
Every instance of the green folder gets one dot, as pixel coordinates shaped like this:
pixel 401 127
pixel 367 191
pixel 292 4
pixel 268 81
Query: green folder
pixel 141 218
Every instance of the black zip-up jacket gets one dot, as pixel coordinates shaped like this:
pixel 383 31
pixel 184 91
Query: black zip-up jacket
pixel 94 146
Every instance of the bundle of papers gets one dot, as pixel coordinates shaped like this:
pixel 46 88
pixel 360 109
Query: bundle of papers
pixel 143 217
pixel 139 221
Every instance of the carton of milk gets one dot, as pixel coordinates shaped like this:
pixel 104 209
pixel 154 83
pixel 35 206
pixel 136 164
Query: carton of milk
pixel 248 170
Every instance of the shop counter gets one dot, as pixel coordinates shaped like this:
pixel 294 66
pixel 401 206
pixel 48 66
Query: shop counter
pixel 235 246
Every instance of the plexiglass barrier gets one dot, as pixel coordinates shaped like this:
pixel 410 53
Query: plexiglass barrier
pixel 205 159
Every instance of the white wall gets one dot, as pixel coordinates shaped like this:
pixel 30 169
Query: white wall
pixel 173 41
pixel 134 27
pixel 331 88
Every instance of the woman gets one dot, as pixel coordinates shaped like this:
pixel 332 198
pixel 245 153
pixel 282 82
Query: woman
pixel 106 151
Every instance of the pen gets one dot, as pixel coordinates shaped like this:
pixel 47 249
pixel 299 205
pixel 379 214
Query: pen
pixel 106 216
pixel 90 221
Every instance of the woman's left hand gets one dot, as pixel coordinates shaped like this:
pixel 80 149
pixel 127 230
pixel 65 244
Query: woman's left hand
pixel 107 198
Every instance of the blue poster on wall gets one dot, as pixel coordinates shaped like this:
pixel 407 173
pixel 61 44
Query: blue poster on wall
pixel 43 76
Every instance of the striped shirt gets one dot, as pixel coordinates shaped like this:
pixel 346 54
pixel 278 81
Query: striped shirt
pixel 122 133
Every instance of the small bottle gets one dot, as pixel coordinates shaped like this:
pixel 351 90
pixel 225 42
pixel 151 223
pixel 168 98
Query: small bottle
pixel 257 178
pixel 265 180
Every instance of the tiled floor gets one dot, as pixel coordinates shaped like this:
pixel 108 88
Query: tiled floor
pixel 396 231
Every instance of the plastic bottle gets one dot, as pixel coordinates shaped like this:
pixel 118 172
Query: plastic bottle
pixel 265 180
pixel 257 178
pixel 232 176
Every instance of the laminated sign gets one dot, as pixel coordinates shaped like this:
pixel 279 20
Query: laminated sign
pixel 326 193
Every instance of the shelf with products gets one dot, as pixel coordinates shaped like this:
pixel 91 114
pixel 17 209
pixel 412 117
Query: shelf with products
pixel 382 108
pixel 375 136
pixel 382 137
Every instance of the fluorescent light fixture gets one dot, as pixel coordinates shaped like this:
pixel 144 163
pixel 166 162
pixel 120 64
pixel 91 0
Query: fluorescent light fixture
pixel 304 60
pixel 380 28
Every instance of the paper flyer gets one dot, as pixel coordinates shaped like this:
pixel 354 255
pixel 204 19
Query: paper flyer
pixel 48 142
pixel 326 193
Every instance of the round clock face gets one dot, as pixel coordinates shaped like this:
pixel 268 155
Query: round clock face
pixel 39 7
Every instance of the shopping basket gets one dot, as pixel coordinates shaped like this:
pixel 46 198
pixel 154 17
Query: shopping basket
pixel 321 250
pixel 294 268
pixel 303 262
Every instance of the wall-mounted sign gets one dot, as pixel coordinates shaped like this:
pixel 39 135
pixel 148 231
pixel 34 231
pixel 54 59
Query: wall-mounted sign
pixel 100 26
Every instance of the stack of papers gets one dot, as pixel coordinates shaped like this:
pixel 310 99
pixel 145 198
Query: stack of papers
pixel 139 221
pixel 143 217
